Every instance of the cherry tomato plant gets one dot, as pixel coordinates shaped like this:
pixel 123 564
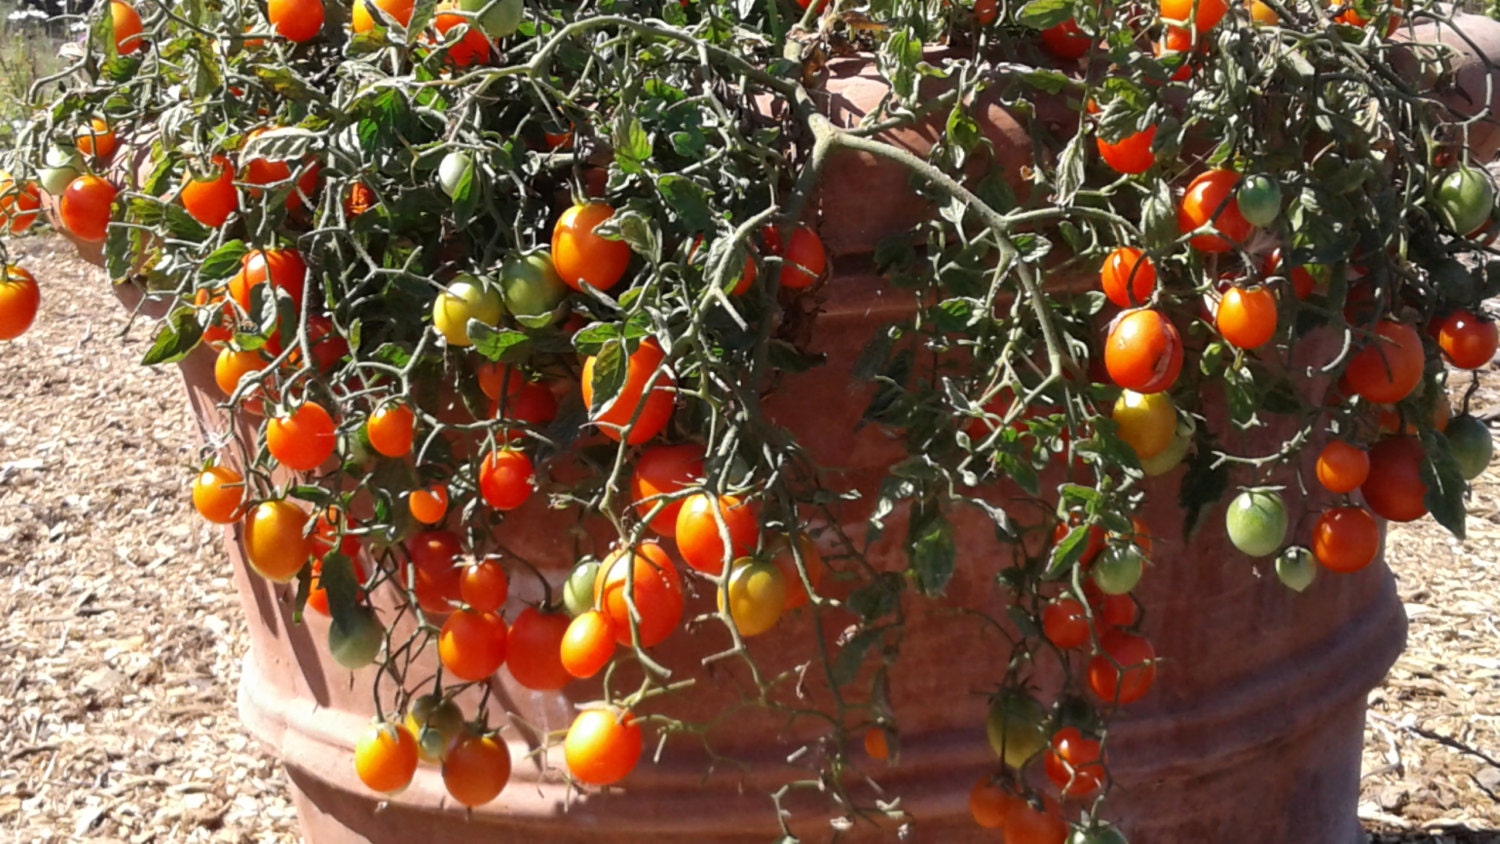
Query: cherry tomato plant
pixel 465 263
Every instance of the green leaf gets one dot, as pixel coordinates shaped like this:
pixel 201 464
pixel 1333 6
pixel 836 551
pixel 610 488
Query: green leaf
pixel 852 655
pixel 223 262
pixel 338 580
pixel 1045 14
pixel 1445 484
pixel 1203 484
pixel 930 550
pixel 179 333
pixel 498 343
pixel 1070 170
pixel 1068 552
pixel 688 201
pixel 632 144
pixel 610 368
pixel 591 338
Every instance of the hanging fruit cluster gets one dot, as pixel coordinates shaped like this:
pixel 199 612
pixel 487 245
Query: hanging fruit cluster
pixel 475 271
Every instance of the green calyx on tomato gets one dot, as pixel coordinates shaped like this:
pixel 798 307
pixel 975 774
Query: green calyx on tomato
pixel 1259 198
pixel 466 298
pixel 1296 568
pixel 498 18
pixel 1257 522
pixel 532 290
pixel 1471 445
pixel 1016 728
pixel 1465 198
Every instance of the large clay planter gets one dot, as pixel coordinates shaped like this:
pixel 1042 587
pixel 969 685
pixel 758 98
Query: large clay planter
pixel 1252 734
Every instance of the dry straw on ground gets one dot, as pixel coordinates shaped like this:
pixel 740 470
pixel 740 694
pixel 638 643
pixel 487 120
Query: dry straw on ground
pixel 123 638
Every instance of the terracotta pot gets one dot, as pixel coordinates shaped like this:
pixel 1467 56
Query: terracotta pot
pixel 1252 734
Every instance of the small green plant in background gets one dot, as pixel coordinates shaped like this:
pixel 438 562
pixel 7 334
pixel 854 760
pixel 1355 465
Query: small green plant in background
pixel 28 52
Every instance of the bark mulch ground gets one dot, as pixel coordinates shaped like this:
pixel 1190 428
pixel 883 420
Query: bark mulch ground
pixel 121 658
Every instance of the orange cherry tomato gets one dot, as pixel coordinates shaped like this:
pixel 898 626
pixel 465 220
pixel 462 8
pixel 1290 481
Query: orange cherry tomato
pixel 1394 489
pixel 602 747
pixel 649 414
pixel 1346 539
pixel 1390 366
pixel 656 589
pixel 505 479
pixel 1066 41
pixel 1246 316
pixel 698 537
pixel 428 504
pixel 19 205
pixel 579 255
pixel 484 586
pixel 1202 14
pixel 20 298
pixel 276 545
pixel 663 470
pixel 476 769
pixel 219 495
pixel 85 208
pixel 390 429
pixel 1128 277
pixel 296 20
pixel 473 48
pixel 588 644
pixel 1131 154
pixel 1342 467
pixel 284 268
pixel 534 655
pixel 127 26
pixel 210 201
pixel 398 10
pixel 1124 669
pixel 303 439
pixel 385 758
pixel 1143 351
pixel 472 644
pixel 1210 198
pixel 96 140
pixel 1467 341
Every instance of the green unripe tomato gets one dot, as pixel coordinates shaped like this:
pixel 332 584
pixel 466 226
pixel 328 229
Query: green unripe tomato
pixel 355 643
pixel 1016 728
pixel 1119 568
pixel 1296 568
pixel 1257 522
pixel 1172 456
pixel 578 591
pixel 1259 199
pixel 531 287
pixel 466 298
pixel 498 18
pixel 1465 198
pixel 1471 444
pixel 434 722
pixel 63 165
pixel 455 168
